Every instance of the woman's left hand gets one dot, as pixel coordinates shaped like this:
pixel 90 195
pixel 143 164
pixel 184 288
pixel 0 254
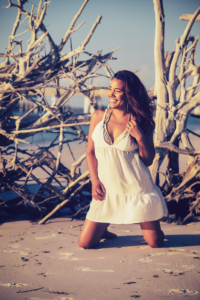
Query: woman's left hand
pixel 134 129
pixel 145 142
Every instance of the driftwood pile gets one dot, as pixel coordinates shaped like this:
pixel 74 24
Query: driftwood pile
pixel 25 75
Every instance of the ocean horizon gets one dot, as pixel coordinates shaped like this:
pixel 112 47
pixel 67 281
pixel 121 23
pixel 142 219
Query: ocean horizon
pixel 193 125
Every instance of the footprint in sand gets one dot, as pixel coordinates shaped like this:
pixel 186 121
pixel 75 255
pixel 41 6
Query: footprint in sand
pixel 85 269
pixel 12 284
pixel 145 260
pixel 65 255
pixel 182 291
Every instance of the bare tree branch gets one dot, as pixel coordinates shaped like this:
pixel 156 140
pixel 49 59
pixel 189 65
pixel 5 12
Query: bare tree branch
pixel 26 82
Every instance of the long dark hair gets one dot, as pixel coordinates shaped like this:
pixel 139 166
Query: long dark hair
pixel 137 98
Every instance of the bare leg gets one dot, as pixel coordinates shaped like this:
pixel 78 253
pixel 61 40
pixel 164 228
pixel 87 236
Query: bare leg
pixel 92 233
pixel 152 233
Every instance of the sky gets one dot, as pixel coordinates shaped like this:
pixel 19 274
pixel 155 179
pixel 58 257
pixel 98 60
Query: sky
pixel 128 24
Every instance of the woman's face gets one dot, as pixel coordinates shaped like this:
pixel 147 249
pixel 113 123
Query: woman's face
pixel 116 94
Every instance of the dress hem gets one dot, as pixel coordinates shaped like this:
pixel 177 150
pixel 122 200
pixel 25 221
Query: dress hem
pixel 134 222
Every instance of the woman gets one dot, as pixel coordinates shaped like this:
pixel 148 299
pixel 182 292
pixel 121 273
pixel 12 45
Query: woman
pixel 120 148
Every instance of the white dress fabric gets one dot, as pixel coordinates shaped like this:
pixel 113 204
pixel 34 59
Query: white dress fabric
pixel 131 195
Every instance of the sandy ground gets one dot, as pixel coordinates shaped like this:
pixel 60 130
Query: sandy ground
pixel 45 262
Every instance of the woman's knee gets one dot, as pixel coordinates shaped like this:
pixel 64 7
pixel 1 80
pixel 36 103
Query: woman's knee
pixel 83 243
pixel 155 240
pixel 152 233
pixel 91 234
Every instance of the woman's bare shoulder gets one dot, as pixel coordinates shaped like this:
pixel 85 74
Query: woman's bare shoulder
pixel 97 116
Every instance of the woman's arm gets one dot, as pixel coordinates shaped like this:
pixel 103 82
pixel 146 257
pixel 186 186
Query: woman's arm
pixel 98 190
pixel 145 142
pixel 146 148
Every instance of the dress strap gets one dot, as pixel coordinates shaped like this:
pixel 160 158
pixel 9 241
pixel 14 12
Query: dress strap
pixel 104 115
pixel 107 116
pixel 106 135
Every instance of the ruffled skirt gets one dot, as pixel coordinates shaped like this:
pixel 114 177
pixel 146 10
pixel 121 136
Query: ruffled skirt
pixel 126 209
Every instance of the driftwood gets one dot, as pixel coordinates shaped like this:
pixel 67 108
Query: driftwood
pixel 176 101
pixel 25 76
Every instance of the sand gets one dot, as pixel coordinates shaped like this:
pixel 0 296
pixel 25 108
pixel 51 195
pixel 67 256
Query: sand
pixel 45 262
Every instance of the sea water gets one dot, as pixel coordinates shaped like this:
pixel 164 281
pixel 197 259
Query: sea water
pixel 42 138
pixel 45 138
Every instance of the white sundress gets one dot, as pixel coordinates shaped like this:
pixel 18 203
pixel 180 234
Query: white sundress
pixel 131 195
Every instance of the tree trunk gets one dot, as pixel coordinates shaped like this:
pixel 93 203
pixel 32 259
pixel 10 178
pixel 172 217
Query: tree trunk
pixel 172 111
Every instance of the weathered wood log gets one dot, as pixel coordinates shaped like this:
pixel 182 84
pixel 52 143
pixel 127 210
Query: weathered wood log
pixel 184 198
pixel 59 206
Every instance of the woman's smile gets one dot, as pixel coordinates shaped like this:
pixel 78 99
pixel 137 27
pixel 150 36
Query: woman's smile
pixel 113 100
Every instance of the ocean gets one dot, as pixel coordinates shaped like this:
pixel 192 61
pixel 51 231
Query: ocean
pixel 42 138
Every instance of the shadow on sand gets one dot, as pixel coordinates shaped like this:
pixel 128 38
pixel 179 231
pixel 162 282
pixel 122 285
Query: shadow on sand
pixel 171 241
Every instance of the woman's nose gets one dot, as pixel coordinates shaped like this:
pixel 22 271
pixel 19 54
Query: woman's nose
pixel 111 93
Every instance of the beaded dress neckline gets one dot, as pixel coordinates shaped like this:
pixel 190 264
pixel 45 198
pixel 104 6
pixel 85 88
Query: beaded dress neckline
pixel 106 134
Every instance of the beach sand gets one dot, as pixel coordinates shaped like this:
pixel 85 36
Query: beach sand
pixel 44 261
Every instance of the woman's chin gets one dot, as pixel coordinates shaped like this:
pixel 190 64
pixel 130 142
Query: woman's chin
pixel 113 105
pixel 116 106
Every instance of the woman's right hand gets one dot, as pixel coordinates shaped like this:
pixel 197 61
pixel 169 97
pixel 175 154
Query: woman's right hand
pixel 98 190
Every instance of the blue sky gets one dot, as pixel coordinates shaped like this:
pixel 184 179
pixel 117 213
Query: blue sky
pixel 128 24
